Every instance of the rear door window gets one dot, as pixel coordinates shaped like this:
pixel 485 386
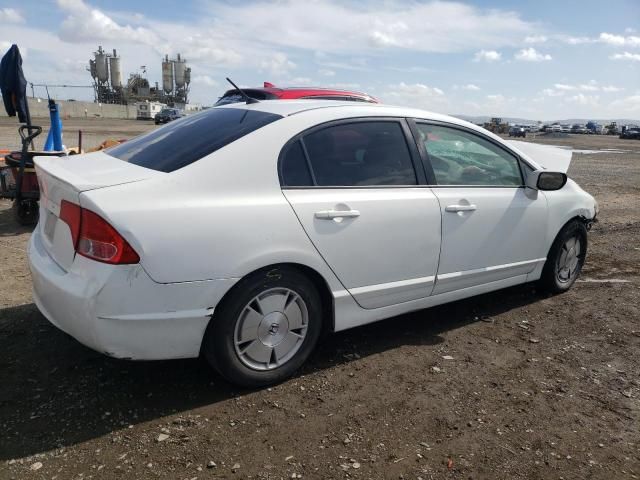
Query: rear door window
pixel 294 170
pixel 360 154
pixel 191 138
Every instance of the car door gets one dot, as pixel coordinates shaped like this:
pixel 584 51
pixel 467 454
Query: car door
pixel 492 226
pixel 354 187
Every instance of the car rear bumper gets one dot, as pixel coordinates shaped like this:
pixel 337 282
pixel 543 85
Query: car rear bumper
pixel 119 310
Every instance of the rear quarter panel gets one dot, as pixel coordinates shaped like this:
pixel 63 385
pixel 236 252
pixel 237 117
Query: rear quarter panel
pixel 221 217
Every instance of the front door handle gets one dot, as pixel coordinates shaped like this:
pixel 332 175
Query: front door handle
pixel 331 214
pixel 460 208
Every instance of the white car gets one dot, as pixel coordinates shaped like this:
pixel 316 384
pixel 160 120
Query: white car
pixel 243 232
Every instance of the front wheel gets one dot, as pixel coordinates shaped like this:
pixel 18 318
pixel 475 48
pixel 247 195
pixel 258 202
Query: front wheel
pixel 265 329
pixel 566 258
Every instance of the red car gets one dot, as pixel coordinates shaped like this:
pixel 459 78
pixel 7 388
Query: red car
pixel 271 92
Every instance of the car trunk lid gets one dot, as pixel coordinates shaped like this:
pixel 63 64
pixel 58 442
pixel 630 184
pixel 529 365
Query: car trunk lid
pixel 64 179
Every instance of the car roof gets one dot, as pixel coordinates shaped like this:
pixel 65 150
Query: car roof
pixel 300 92
pixel 349 110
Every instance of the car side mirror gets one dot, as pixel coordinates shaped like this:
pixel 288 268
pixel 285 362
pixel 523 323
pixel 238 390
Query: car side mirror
pixel 544 180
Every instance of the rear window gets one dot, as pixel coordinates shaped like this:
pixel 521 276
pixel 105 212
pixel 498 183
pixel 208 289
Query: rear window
pixel 233 96
pixel 191 138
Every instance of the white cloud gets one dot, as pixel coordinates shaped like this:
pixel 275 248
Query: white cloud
pixel 629 104
pixel 278 64
pixel 576 40
pixel 380 39
pixel 326 72
pixel 582 99
pixel 470 87
pixel 550 92
pixel 611 39
pixel 345 86
pixel 205 80
pixel 487 56
pixel 536 39
pixel 631 57
pixel 206 47
pixel 300 82
pixel 531 55
pixel 345 26
pixel 10 15
pixel 416 95
pixel 606 38
pixel 496 98
pixel 84 23
pixel 619 40
pixel 591 86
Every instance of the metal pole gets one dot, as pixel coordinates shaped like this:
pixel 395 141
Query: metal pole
pixel 26 104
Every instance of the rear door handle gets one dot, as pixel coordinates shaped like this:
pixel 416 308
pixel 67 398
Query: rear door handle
pixel 460 208
pixel 331 214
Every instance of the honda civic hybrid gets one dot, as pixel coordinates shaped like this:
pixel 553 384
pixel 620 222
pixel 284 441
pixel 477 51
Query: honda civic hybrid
pixel 244 232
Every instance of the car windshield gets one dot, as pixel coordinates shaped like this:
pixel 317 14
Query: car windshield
pixel 190 138
pixel 166 110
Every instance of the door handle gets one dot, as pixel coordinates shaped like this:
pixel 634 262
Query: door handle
pixel 331 214
pixel 460 208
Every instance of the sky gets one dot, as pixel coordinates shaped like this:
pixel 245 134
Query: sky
pixel 540 59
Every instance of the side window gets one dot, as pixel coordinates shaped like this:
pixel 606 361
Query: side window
pixel 461 158
pixel 360 154
pixel 294 171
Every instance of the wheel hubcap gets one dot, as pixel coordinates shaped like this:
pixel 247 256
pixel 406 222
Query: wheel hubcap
pixel 569 260
pixel 271 329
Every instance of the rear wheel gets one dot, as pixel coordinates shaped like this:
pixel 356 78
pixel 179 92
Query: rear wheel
pixel 265 329
pixel 566 258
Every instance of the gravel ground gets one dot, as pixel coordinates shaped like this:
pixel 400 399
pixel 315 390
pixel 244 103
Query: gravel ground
pixel 513 384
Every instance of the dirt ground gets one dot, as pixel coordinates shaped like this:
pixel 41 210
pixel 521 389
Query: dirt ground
pixel 510 385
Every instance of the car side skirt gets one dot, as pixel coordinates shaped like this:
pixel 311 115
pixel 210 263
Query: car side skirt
pixel 349 314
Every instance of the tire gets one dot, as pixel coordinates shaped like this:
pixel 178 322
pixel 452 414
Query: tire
pixel 25 212
pixel 565 260
pixel 249 340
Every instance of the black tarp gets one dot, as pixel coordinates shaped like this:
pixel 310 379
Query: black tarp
pixel 14 85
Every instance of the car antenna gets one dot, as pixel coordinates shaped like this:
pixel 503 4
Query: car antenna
pixel 246 97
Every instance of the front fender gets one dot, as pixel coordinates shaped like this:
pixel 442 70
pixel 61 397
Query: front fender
pixel 569 202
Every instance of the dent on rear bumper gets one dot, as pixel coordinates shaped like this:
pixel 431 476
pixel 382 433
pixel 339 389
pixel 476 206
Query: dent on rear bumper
pixel 119 310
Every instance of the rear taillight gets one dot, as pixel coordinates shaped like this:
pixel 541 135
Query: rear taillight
pixel 70 213
pixel 94 238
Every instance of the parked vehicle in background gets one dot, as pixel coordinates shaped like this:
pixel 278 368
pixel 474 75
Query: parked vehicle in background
pixel 244 231
pixel 496 125
pixel 271 92
pixel 555 128
pixel 148 110
pixel 578 128
pixel 631 133
pixel 517 132
pixel 612 129
pixel 565 128
pixel 167 114
pixel 594 128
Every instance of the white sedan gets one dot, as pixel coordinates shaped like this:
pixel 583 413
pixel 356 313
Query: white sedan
pixel 243 232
